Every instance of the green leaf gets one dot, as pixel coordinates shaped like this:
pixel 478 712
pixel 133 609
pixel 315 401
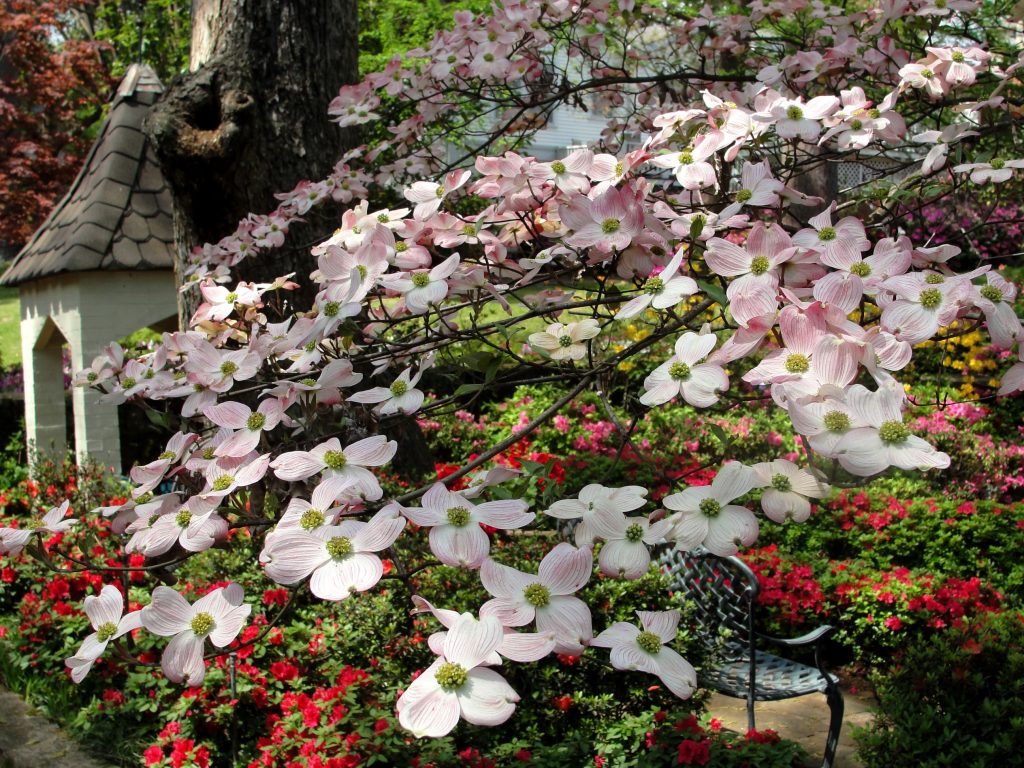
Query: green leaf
pixel 713 292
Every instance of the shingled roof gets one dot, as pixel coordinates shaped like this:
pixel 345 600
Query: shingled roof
pixel 117 214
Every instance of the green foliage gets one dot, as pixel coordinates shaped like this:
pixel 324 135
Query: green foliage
pixel 165 29
pixel 954 699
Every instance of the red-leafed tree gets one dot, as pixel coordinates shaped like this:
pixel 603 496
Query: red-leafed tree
pixel 52 90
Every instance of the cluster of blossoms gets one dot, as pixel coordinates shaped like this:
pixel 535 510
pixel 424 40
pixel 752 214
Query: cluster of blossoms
pixel 818 316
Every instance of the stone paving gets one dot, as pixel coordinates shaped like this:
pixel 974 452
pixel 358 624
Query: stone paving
pixel 29 740
pixel 803 720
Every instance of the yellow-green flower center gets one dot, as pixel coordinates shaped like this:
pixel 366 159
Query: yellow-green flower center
pixel 893 432
pixel 743 195
pixel 782 483
pixel 255 422
pixel 202 624
pixel 794 113
pixel 798 363
pixel 856 125
pixel 654 286
pixel 558 167
pixel 934 279
pixel 860 269
pixel 931 298
pixel 230 298
pixel 228 367
pixel 335 459
pixel 363 272
pixel 991 293
pixel 339 547
pixel 451 676
pixel 649 642
pixel 223 482
pixel 679 371
pixel 710 508
pixel 927 74
pixel 209 453
pixel 565 341
pixel 537 595
pixel 421 279
pixel 836 421
pixel 685 158
pixel 458 516
pixel 183 518
pixel 92 376
pixel 128 382
pixel 401 246
pixel 310 346
pixel 105 631
pixel 610 226
pixel 331 308
pixel 827 234
pixel 399 388
pixel 759 265
pixel 957 57
pixel 167 456
pixel 311 518
pixel 874 114
pixel 308 381
pixel 997 163
pixel 634 533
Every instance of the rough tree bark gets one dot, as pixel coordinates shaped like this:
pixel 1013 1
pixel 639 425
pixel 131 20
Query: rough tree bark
pixel 250 118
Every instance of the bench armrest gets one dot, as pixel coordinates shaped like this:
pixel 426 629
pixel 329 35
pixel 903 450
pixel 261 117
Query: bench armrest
pixel 814 636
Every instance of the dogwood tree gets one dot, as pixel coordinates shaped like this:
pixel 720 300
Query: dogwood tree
pixel 701 216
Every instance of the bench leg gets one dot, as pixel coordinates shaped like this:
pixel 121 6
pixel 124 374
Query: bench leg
pixel 835 704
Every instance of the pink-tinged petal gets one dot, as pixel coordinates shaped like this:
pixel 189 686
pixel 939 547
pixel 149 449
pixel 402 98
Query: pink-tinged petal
pixel 840 289
pixel 662 623
pixel 296 465
pixel 443 615
pixel 633 307
pixel 506 514
pixel 510 611
pixel 676 673
pixel 228 624
pixel 230 414
pixel 128 623
pixel 691 348
pixel 836 361
pixel 726 258
pixel 425 517
pixel 568 620
pixel 732 481
pixel 239 444
pixel 503 581
pixel 91 647
pixel 79 667
pixel 565 569
pixel 752 296
pixel 425 710
pixel 525 646
pixel 374 395
pixel 372 451
pixel 733 526
pixel 688 499
pixel 471 641
pixel 486 698
pixel 337 579
pixel 781 506
pixel 1013 380
pixel 910 321
pixel 570 509
pixel 104 608
pixel 380 531
pixel 619 633
pixel 659 392
pixel 630 657
pixel 467 546
pixel 862 452
pixel 625 559
pixel 291 555
pixel 182 660
pixel 253 471
pixel 168 613
pixel 408 403
pixel 916 453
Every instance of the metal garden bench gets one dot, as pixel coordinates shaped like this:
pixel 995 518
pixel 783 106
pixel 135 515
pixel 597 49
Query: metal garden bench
pixel 722 592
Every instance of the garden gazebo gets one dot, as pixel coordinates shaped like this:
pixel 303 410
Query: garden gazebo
pixel 99 268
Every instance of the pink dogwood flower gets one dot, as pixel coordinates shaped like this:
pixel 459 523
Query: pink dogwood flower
pixel 13 540
pixel 608 222
pixel 456 537
pixel 429 195
pixel 249 425
pixel 758 265
pixel 457 686
pixel 149 476
pixel 645 650
pixel 661 291
pixel 566 342
pixel 217 616
pixel 705 516
pixel 342 469
pixel 339 559
pixel 104 612
pixel 683 375
pixel 548 597
pixel 787 490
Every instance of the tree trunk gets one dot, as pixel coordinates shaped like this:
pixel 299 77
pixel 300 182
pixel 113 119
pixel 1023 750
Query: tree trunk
pixel 250 119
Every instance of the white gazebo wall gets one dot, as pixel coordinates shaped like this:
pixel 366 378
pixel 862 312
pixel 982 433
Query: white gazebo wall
pixel 89 310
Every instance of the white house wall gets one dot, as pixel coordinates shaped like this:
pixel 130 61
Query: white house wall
pixel 89 309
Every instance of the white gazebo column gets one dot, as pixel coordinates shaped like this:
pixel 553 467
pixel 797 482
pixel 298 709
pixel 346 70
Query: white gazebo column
pixel 97 433
pixel 43 367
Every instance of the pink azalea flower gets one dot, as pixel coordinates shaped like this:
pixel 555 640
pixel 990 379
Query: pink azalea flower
pixel 683 375
pixel 548 597
pixel 645 650
pixel 787 488
pixel 342 469
pixel 456 537
pixel 457 686
pixel 608 222
pixel 340 559
pixel 104 612
pixel 250 425
pixel 884 441
pixel 219 616
pixel 13 540
pixel 705 517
